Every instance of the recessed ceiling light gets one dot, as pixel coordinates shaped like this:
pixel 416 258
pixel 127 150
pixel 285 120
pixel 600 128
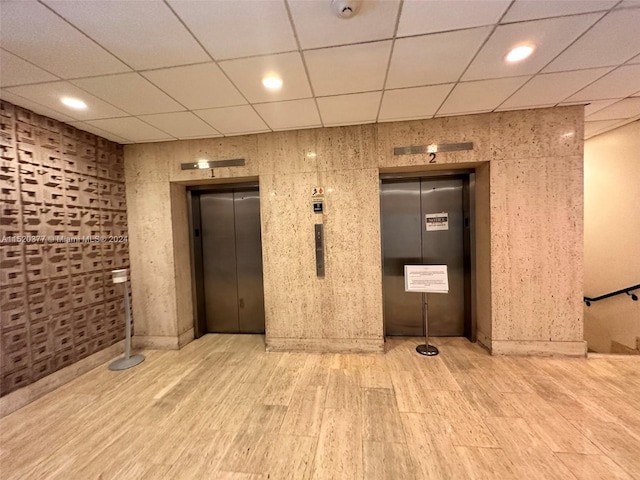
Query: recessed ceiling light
pixel 519 53
pixel 73 103
pixel 272 83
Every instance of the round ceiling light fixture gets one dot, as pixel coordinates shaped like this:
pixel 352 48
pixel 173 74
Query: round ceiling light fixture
pixel 74 103
pixel 519 53
pixel 272 82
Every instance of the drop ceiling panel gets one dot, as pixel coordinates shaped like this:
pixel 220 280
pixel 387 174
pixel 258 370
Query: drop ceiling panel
pixel 408 103
pixel 435 58
pixel 232 29
pixel 552 88
pixel 247 75
pixel 361 68
pixel 197 86
pixel 98 131
pixel 180 124
pixel 49 95
pixel 317 25
pixel 128 29
pixel 233 120
pixel 550 37
pixel 15 71
pixel 627 108
pixel 290 115
pixel 349 109
pixel 481 96
pixel 535 9
pixel 36 107
pixel 593 107
pixel 593 128
pixel 92 44
pixel 132 128
pixel 598 105
pixel 428 16
pixel 130 92
pixel 62 50
pixel 620 83
pixel 612 41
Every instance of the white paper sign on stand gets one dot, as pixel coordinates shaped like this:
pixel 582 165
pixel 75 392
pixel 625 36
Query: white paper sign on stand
pixel 426 279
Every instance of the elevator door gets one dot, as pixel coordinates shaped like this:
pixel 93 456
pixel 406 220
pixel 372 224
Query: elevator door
pixel 232 261
pixel 406 241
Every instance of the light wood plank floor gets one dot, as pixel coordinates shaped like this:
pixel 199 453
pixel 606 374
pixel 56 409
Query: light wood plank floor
pixel 222 408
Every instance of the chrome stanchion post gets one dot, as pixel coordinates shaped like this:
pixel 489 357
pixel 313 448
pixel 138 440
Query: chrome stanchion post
pixel 120 276
pixel 426 349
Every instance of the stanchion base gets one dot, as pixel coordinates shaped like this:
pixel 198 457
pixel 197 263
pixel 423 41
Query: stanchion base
pixel 124 363
pixel 427 350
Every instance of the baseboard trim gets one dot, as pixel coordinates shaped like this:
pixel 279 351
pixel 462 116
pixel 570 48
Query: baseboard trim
pixel 25 395
pixel 186 337
pixel 483 340
pixel 609 356
pixel 618 347
pixel 156 342
pixel 325 345
pixel 538 348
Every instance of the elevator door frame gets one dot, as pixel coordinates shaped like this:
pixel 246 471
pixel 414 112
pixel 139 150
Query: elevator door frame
pixel 195 232
pixel 469 212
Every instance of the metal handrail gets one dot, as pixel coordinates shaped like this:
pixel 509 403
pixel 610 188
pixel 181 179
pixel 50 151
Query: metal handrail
pixel 627 290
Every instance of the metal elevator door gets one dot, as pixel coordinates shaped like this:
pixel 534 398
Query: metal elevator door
pixel 405 240
pixel 232 261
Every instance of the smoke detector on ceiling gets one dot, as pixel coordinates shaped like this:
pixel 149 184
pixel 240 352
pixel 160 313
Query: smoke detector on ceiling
pixel 345 8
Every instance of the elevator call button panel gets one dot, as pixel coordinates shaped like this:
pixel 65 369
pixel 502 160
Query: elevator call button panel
pixel 319 238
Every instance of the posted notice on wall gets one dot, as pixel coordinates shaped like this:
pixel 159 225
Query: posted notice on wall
pixel 436 221
pixel 426 278
pixel 317 195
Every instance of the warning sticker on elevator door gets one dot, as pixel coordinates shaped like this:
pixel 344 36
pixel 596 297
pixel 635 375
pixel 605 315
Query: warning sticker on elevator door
pixel 436 221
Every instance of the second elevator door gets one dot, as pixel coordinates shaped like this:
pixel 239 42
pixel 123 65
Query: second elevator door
pixel 232 261
pixel 406 241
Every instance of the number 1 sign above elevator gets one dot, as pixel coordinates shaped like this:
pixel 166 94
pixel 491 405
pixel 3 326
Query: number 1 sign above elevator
pixel 436 221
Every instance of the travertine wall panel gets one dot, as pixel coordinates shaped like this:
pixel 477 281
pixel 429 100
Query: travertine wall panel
pixel 211 149
pixel 482 294
pixel 542 132
pixel 352 290
pixel 150 206
pixel 293 300
pixel 528 225
pixel 536 215
pixel 471 128
pixel 180 231
pixel 287 152
pixel 347 148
